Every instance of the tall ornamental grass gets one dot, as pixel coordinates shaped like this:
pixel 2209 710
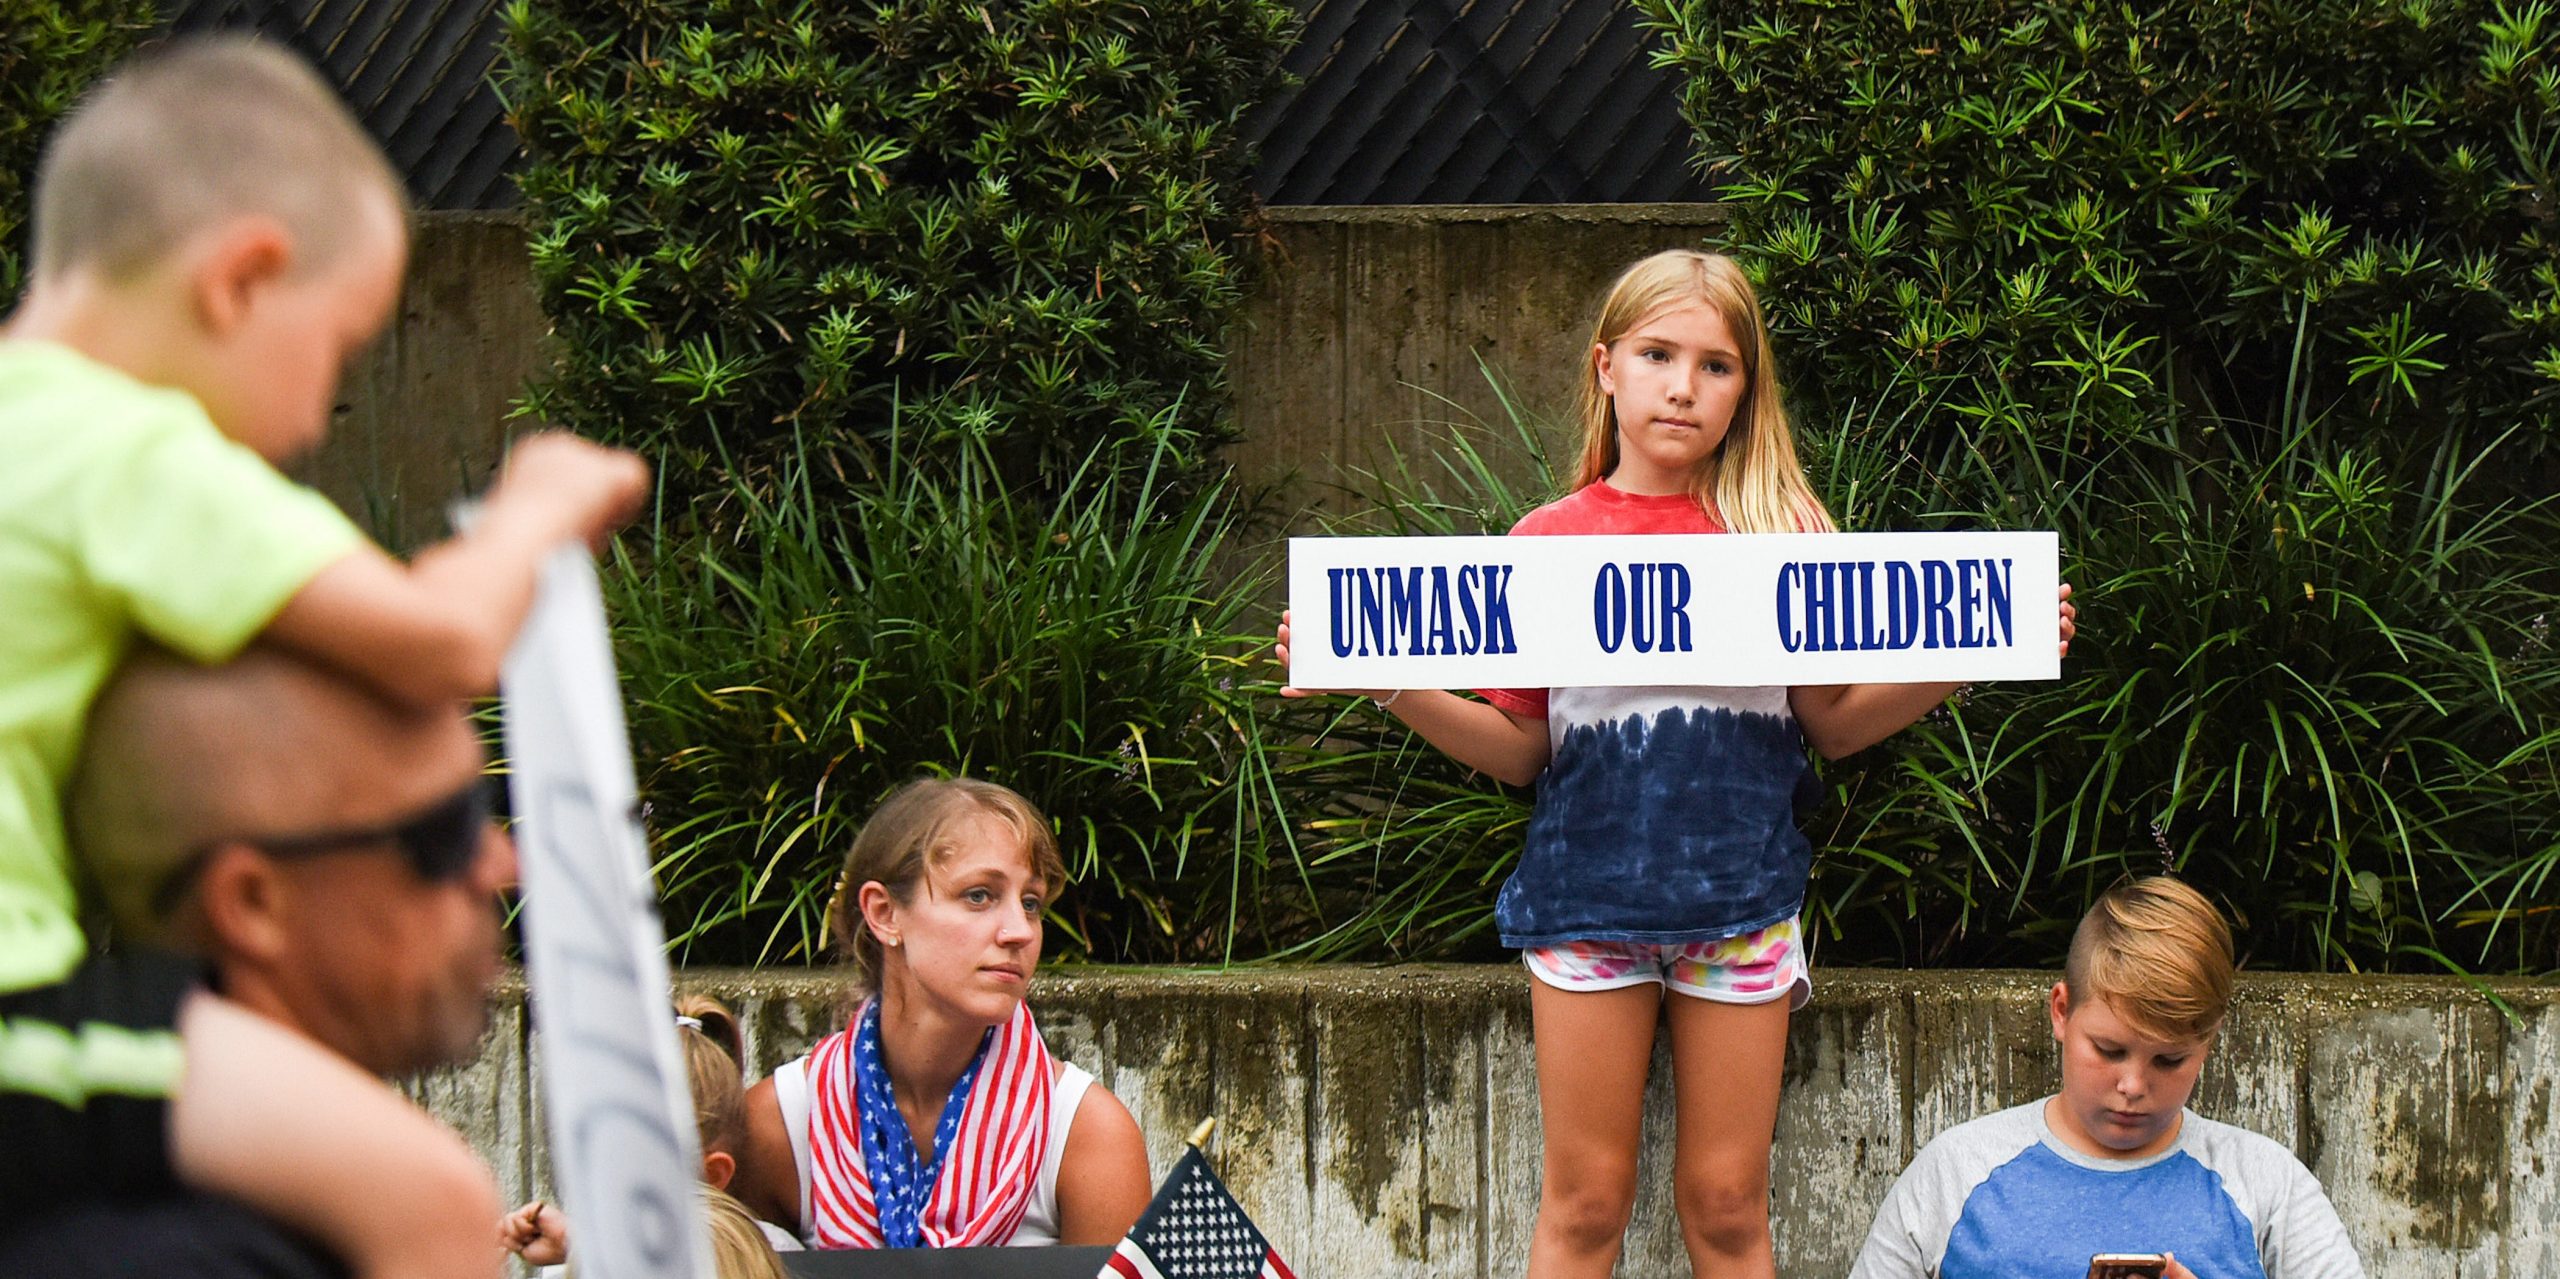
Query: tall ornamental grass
pixel 2316 681
pixel 788 671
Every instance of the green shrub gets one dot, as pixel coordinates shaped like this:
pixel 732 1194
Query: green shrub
pixel 2314 679
pixel 2317 683
pixel 762 221
pixel 784 675
pixel 1402 849
pixel 2032 207
pixel 2259 306
pixel 50 50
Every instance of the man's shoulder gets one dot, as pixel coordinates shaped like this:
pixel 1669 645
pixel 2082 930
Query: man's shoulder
pixel 182 1236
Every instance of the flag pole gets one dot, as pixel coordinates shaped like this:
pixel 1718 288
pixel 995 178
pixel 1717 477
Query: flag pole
pixel 1200 1135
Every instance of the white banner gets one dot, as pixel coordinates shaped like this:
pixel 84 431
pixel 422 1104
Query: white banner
pixel 623 1151
pixel 1707 609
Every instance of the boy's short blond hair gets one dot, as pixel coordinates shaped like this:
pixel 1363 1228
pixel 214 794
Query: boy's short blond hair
pixel 2159 954
pixel 193 132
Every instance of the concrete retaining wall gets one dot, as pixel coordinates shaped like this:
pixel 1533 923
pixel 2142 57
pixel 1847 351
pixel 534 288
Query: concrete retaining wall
pixel 1363 321
pixel 1373 326
pixel 421 417
pixel 1384 1121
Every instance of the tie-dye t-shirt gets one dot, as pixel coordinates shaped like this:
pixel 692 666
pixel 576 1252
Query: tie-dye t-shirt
pixel 1666 815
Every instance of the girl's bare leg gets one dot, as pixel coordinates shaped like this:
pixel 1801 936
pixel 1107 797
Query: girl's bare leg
pixel 1594 1048
pixel 1726 1064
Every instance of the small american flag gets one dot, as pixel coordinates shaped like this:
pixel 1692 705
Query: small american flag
pixel 1194 1230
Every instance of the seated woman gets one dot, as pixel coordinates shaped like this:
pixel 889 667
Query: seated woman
pixel 938 1119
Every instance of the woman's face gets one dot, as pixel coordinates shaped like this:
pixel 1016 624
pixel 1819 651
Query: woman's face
pixel 969 939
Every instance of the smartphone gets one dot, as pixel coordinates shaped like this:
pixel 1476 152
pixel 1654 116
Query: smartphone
pixel 2128 1265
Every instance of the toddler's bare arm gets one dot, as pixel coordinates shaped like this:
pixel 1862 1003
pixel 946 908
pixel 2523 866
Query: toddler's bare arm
pixel 435 629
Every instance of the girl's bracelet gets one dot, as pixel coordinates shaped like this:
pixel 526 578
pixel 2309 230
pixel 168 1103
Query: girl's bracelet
pixel 1388 700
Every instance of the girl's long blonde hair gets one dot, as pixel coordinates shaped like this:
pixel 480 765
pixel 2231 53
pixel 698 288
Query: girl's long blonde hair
pixel 1756 485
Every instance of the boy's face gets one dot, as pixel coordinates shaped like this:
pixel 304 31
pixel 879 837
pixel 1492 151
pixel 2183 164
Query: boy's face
pixel 281 338
pixel 2122 1090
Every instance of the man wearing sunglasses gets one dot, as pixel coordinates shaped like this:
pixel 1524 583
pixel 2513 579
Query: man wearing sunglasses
pixel 330 859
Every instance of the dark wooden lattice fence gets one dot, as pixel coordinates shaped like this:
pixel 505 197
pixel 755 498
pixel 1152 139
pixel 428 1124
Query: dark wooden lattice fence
pixel 1398 101
pixel 1474 102
pixel 416 72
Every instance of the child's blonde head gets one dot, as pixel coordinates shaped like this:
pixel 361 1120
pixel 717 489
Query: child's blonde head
pixel 2160 956
pixel 739 1249
pixel 1756 484
pixel 715 1069
pixel 190 135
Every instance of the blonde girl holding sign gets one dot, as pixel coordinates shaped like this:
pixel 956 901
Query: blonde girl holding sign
pixel 1664 872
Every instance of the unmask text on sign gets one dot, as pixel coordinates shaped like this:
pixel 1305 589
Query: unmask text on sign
pixel 1708 609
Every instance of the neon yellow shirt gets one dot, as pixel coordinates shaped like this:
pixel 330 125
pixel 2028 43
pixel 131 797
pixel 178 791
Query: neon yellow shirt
pixel 123 510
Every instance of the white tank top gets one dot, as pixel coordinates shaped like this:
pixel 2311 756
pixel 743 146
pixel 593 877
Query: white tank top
pixel 1039 1218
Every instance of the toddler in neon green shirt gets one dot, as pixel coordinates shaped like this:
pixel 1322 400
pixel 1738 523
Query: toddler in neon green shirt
pixel 214 238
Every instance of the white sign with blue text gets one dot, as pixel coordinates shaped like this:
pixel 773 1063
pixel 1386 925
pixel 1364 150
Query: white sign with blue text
pixel 623 1147
pixel 1706 609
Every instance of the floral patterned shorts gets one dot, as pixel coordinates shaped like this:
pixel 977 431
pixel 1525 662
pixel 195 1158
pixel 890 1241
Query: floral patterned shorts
pixel 1753 968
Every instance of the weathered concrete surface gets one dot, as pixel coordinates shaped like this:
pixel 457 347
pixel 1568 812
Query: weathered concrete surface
pixel 1364 329
pixel 1384 1121
pixel 421 417
pixel 1367 329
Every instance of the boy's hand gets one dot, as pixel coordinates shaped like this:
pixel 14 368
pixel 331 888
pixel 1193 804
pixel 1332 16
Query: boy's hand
pixel 537 1232
pixel 591 490
pixel 1280 653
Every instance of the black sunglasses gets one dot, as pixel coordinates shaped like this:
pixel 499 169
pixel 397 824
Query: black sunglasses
pixel 441 841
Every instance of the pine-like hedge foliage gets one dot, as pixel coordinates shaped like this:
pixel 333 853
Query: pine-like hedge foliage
pixel 755 219
pixel 2032 203
pixel 49 51
pixel 2258 305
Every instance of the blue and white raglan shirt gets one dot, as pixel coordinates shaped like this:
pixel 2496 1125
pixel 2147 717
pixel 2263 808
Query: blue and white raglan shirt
pixel 2001 1197
pixel 1666 815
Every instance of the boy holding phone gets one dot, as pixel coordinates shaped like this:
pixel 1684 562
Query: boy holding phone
pixel 2115 1163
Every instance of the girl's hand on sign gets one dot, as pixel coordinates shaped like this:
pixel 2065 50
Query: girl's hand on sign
pixel 537 1232
pixel 1280 653
pixel 2070 619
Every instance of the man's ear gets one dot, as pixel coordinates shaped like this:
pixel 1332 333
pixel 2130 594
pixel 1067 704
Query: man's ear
pixel 244 901
pixel 718 1168
pixel 243 256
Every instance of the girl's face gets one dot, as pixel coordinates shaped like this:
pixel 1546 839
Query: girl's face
pixel 970 938
pixel 1674 379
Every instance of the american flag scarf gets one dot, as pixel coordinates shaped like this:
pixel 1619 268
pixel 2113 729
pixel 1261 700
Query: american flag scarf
pixel 977 1182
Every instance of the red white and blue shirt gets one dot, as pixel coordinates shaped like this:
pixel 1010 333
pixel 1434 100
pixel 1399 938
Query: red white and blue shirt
pixel 1665 815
